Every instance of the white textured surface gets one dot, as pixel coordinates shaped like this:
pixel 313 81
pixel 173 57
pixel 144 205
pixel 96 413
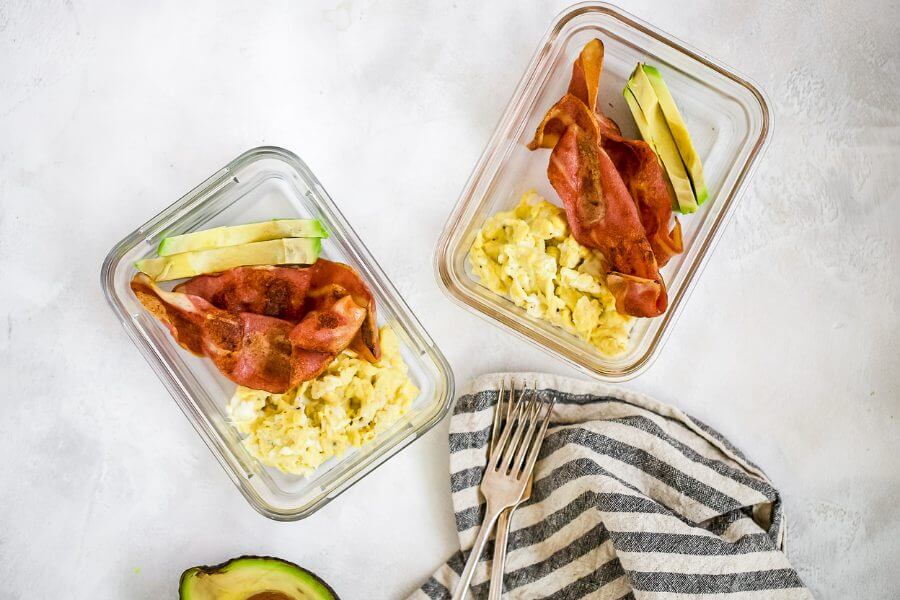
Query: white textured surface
pixel 108 112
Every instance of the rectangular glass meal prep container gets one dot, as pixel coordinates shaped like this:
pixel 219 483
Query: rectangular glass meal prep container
pixel 262 184
pixel 727 116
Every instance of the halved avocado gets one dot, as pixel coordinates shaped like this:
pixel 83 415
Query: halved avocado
pixel 236 235
pixel 286 251
pixel 253 578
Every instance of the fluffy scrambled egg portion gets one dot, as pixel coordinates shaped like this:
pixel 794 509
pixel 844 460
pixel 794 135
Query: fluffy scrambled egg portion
pixel 528 255
pixel 347 405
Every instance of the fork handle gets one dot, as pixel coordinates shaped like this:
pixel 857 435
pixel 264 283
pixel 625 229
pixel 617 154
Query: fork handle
pixel 490 517
pixel 498 566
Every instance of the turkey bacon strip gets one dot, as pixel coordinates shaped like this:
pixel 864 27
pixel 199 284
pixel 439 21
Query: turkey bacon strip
pixel 249 349
pixel 260 351
pixel 599 208
pixel 634 159
pixel 602 215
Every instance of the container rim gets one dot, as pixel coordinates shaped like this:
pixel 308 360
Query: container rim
pixel 446 276
pixel 217 182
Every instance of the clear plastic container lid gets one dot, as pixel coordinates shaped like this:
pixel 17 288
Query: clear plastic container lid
pixel 261 184
pixel 727 116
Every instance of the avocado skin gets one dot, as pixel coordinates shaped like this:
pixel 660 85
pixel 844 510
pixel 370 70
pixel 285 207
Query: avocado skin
pixel 184 592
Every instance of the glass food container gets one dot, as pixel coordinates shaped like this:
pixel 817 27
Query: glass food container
pixel 261 184
pixel 729 121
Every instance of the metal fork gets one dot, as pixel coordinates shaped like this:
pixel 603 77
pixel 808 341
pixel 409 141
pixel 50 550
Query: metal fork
pixel 501 538
pixel 508 469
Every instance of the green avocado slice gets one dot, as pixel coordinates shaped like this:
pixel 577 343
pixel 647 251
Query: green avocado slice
pixel 236 235
pixel 679 133
pixel 639 119
pixel 286 251
pixel 253 578
pixel 641 98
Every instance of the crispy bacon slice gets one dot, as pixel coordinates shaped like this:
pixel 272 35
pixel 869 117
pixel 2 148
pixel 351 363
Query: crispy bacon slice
pixel 570 110
pixel 331 329
pixel 321 336
pixel 585 84
pixel 250 349
pixel 602 215
pixel 585 81
pixel 265 290
pixel 264 360
pixel 332 281
pixel 637 296
pixel 640 169
pixel 290 293
pixel 254 350
pixel 634 159
pixel 266 327
pixel 308 364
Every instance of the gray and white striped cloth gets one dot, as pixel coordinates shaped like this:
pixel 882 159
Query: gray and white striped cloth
pixel 632 499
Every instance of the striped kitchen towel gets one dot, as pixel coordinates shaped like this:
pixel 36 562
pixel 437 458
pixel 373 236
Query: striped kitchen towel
pixel 632 499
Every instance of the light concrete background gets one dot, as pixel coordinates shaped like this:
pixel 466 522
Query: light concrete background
pixel 110 111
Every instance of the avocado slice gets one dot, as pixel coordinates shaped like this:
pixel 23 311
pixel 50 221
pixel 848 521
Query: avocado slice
pixel 253 578
pixel 679 133
pixel 642 100
pixel 236 235
pixel 286 251
pixel 639 119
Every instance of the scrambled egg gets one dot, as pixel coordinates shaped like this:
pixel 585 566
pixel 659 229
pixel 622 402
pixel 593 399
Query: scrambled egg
pixel 347 405
pixel 528 255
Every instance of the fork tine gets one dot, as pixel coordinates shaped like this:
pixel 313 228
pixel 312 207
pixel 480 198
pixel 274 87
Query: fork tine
pixel 507 461
pixel 506 406
pixel 535 399
pixel 538 440
pixel 508 451
pixel 524 419
pixel 495 458
pixel 532 422
pixel 495 428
